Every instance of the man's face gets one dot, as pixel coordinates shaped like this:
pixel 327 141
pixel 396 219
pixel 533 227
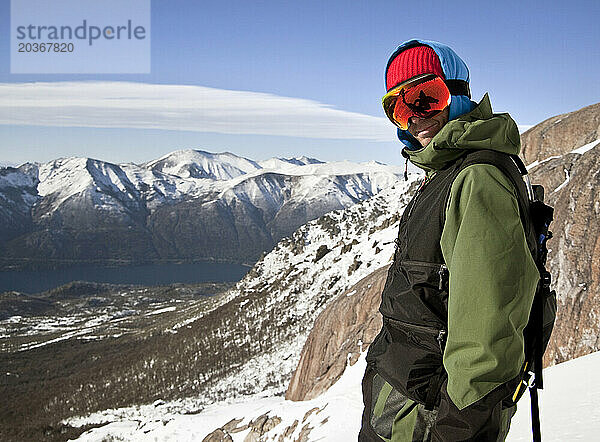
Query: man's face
pixel 425 129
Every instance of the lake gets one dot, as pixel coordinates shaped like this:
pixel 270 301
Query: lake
pixel 149 274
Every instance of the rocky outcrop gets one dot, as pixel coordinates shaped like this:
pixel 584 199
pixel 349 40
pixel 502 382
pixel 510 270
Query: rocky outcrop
pixel 258 429
pixel 572 185
pixel 561 134
pixel 345 328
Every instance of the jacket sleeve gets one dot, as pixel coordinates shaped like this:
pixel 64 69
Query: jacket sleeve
pixel 491 286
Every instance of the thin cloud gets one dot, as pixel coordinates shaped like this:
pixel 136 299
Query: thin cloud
pixel 181 107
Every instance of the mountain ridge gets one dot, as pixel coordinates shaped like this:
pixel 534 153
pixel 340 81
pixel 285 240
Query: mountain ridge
pixel 188 205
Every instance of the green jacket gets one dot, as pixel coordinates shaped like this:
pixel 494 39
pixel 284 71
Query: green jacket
pixel 493 276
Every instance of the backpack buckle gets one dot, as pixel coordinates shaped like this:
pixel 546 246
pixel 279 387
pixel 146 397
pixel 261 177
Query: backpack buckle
pixel 545 279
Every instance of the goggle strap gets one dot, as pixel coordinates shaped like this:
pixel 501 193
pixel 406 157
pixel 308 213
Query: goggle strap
pixel 458 87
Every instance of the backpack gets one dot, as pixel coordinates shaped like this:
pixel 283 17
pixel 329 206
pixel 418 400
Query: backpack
pixel 543 310
pixel 536 217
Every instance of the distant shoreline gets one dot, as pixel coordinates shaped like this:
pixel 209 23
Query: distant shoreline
pixel 38 280
pixel 29 264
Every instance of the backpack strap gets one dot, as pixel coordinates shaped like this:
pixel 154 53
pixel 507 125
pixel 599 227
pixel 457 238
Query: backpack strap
pixel 514 169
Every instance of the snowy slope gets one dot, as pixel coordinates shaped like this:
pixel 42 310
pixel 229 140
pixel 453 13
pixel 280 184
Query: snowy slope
pixel 191 163
pixel 18 194
pixel 107 185
pixel 569 412
pixel 270 313
pixel 282 163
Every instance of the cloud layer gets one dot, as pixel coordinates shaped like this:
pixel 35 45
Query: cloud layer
pixel 117 104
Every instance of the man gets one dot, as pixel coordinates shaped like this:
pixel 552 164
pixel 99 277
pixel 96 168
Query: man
pixel 450 353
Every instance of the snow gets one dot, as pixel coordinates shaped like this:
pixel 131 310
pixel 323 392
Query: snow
pixel 192 174
pixel 580 151
pixel 352 235
pixel 162 310
pixel 568 407
pixel 14 178
pixel 583 149
pixel 284 163
pixel 565 182
pixel 290 267
pixel 340 408
pixel 538 162
pixel 191 163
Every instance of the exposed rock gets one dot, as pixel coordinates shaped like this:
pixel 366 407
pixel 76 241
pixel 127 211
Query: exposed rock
pixel 270 423
pixel 288 432
pixel 253 436
pixel 218 436
pixel 561 134
pixel 321 252
pixel 572 185
pixel 258 423
pixel 303 437
pixel 350 320
pixel 239 429
pixel 308 413
pixel 258 427
pixel 81 210
pixel 232 426
pixel 571 182
pixel 261 425
pixel 355 265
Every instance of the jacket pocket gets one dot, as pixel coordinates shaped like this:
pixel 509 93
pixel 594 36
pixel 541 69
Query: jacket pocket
pixel 408 356
pixel 416 292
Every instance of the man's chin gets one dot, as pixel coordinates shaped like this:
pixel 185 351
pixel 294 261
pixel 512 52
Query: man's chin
pixel 424 141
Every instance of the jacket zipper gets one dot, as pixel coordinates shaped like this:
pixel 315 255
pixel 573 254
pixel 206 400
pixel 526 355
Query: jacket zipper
pixel 441 333
pixel 442 269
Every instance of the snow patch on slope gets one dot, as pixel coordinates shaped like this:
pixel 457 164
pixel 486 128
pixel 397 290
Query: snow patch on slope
pixel 359 240
pixel 568 407
pixel 583 149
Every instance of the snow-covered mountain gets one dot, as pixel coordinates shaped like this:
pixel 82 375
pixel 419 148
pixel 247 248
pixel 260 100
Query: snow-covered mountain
pixel 199 164
pixel 189 204
pixel 18 194
pixel 278 163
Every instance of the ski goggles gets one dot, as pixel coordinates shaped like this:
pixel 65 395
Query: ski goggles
pixel 422 96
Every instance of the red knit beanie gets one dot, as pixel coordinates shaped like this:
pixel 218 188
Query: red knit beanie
pixel 413 61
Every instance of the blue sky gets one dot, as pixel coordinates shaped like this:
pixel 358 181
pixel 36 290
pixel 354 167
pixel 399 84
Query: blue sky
pixel 314 73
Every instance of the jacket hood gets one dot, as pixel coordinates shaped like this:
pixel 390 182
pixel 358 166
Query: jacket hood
pixel 454 69
pixel 475 130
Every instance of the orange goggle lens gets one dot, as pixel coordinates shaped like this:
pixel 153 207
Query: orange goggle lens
pixel 423 96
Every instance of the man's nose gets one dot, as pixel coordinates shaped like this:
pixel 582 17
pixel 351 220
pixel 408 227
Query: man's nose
pixel 415 120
